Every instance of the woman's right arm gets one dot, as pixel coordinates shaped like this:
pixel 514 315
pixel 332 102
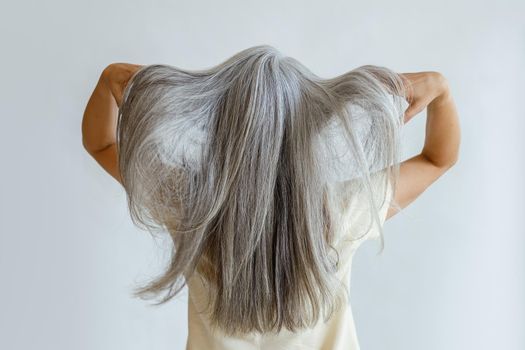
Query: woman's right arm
pixel 442 136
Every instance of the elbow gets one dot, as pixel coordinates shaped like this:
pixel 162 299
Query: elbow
pixel 94 150
pixel 443 163
pixel 450 162
pixel 454 160
pixel 87 146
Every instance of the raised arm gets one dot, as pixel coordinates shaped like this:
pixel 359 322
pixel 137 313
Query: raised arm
pixel 442 136
pixel 99 122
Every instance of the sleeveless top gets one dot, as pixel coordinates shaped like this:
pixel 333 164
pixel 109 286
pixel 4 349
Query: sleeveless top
pixel 338 333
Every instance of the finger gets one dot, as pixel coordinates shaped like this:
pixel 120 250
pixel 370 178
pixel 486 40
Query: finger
pixel 407 84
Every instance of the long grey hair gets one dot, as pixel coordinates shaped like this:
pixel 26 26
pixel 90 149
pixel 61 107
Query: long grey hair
pixel 238 164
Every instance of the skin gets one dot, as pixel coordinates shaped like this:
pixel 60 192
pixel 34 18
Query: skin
pixel 99 124
pixel 440 151
pixel 428 90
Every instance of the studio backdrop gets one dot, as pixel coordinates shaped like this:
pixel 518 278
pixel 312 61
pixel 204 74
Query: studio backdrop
pixel 452 275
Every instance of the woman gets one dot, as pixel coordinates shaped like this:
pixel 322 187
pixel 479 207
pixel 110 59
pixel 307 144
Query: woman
pixel 267 179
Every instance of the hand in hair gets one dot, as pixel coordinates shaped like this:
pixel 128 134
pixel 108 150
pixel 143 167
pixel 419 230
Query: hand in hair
pixel 99 122
pixel 421 89
pixel 117 76
pixel 428 90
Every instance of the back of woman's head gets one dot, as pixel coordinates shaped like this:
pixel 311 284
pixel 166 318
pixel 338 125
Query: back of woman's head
pixel 238 164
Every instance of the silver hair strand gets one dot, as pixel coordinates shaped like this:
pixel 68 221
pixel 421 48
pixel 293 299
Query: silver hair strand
pixel 245 165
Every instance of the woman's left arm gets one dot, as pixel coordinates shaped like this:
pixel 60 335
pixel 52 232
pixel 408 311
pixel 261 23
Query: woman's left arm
pixel 99 123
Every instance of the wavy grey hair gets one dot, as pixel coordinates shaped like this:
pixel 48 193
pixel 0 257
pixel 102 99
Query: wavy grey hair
pixel 238 163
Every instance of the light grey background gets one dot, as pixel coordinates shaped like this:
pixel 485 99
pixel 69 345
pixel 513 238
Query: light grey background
pixel 452 275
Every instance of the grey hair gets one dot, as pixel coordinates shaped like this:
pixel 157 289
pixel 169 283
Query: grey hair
pixel 238 163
